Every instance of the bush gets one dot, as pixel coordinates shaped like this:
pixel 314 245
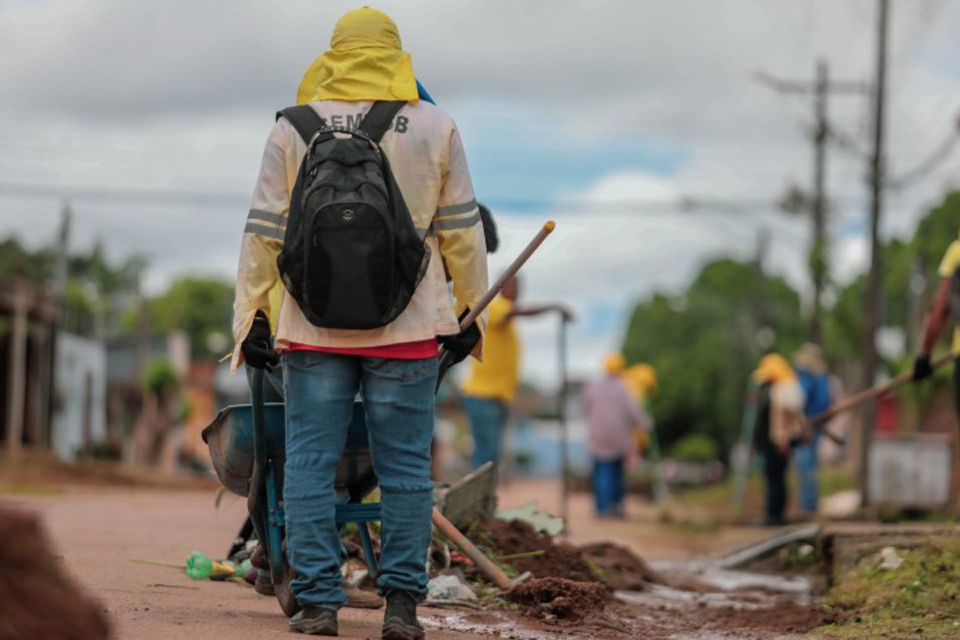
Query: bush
pixel 695 447
pixel 160 377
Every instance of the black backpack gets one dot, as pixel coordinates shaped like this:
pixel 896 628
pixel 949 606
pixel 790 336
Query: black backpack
pixel 351 256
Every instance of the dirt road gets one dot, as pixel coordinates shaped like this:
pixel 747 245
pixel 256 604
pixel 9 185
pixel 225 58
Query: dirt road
pixel 101 533
pixel 104 535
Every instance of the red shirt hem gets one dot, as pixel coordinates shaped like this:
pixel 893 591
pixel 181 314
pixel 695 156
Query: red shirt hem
pixel 419 350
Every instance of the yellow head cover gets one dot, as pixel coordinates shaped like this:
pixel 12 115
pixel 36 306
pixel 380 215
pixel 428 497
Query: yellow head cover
pixel 614 364
pixel 641 379
pixel 773 368
pixel 365 62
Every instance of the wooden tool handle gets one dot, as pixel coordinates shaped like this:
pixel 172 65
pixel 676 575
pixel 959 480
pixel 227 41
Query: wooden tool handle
pixel 510 272
pixel 484 564
pixel 874 392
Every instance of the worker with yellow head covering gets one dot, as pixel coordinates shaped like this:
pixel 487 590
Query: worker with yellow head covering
pixel 641 381
pixel 396 364
pixel 613 415
pixel 779 425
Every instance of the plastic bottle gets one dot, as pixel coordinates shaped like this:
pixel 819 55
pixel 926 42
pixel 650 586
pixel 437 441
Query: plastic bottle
pixel 201 567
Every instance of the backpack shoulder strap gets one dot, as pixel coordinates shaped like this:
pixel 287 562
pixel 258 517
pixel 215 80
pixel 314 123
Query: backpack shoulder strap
pixel 379 117
pixel 304 119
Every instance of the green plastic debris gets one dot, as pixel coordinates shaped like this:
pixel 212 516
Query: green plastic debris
pixel 201 567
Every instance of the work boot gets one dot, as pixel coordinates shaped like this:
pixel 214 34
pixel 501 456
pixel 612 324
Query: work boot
pixel 359 599
pixel 315 621
pixel 258 558
pixel 400 620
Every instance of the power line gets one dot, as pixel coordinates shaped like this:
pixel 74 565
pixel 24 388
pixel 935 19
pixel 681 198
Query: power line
pixel 820 88
pixel 178 197
pixel 934 160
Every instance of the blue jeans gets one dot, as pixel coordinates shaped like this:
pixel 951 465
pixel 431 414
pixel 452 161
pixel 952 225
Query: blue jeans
pixel 488 418
pixel 398 401
pixel 805 457
pixel 608 486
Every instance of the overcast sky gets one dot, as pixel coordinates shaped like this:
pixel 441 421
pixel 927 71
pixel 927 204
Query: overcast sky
pixel 567 108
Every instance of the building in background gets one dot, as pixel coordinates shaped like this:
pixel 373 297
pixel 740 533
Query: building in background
pixel 28 319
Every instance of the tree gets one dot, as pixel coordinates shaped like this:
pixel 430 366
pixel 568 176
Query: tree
pixel 17 261
pixel 902 260
pixel 201 307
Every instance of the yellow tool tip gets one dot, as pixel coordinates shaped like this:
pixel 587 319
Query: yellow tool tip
pixel 549 226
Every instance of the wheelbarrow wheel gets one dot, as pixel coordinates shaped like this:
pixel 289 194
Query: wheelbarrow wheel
pixel 284 593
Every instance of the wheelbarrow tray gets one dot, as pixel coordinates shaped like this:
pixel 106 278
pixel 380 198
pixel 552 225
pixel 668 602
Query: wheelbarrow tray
pixel 230 438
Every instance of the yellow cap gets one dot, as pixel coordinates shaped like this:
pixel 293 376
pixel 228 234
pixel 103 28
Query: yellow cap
pixel 614 364
pixel 773 368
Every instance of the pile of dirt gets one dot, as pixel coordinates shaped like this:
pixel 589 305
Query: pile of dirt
pixel 622 569
pixel 556 560
pixel 559 598
pixel 37 600
pixel 605 562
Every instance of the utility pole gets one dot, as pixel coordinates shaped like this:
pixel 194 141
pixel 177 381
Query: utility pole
pixel 820 87
pixel 818 252
pixel 871 306
pixel 60 275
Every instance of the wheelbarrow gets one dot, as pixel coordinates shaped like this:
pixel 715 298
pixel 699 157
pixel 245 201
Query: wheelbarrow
pixel 247 447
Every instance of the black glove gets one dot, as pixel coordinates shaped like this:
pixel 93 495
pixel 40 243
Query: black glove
pixel 461 345
pixel 257 347
pixel 922 368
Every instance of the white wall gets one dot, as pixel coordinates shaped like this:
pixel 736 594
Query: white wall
pixel 78 360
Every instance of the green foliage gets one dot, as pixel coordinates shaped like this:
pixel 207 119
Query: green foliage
pixel 17 261
pixel 198 306
pixel 695 447
pixel 705 344
pixel 96 288
pixel 160 377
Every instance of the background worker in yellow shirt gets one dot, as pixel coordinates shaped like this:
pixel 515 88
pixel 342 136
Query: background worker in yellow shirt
pixel 937 321
pixel 489 391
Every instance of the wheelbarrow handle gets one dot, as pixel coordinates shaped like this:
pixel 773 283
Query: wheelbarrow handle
pixel 446 358
pixel 259 428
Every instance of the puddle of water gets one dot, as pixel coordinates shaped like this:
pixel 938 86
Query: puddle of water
pixel 736 580
pixel 492 625
pixel 669 598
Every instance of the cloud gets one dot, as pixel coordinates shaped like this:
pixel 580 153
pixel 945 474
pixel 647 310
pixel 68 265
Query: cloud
pixel 601 262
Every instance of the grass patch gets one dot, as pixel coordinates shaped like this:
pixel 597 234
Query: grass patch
pixel 719 497
pixel 923 594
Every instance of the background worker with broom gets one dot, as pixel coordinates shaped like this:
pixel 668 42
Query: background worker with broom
pixel 779 424
pixel 489 391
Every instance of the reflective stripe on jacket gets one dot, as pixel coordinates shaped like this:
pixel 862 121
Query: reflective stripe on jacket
pixel 427 159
